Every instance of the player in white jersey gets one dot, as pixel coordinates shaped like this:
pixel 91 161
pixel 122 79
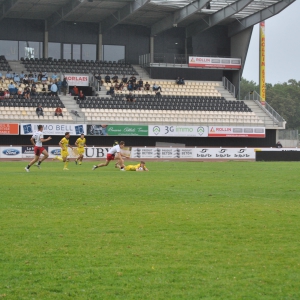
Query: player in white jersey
pixel 37 141
pixel 113 153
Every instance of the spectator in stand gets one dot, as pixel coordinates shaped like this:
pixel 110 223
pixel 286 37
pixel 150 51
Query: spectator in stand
pixel 1 94
pixel 99 80
pixel 111 90
pixel 58 112
pixel 58 83
pixel 182 81
pixel 157 94
pixel 81 96
pixel 141 84
pixel 6 94
pixel 0 76
pixel 22 75
pixel 26 93
pixel 130 98
pixel 147 86
pixel 75 91
pixel 40 76
pixel 133 78
pixel 64 86
pixel 12 89
pixel 278 145
pixel 35 78
pixel 115 78
pixel 156 87
pixel 54 76
pixel 8 75
pixel 17 79
pixel 30 77
pixel 107 79
pixel 44 90
pixel 53 89
pixel 124 79
pixel 135 87
pixel 130 86
pixel 33 89
pixel 44 77
pixel 25 79
pixel 20 91
pixel 39 111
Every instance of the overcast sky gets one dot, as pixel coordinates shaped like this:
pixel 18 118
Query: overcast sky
pixel 282 48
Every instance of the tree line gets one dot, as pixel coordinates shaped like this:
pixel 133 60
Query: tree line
pixel 283 97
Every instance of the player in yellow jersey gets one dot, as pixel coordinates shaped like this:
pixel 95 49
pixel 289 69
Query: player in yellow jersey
pixel 139 167
pixel 64 145
pixel 80 143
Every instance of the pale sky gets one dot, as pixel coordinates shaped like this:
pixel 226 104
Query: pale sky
pixel 282 48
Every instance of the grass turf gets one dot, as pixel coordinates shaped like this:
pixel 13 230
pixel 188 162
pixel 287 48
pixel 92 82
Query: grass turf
pixel 184 230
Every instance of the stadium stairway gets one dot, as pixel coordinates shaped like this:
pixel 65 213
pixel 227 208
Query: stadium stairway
pixel 142 73
pixel 17 67
pixel 71 105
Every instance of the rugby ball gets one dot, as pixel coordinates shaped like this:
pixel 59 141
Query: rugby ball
pixel 141 169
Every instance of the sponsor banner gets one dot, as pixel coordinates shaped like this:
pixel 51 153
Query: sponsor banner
pixel 7 128
pixel 129 130
pixel 27 151
pixel 10 152
pixel 262 62
pixel 228 131
pixel 276 149
pixel 53 129
pixel 75 79
pixel 170 130
pixel 224 153
pixel 215 62
pixel 96 130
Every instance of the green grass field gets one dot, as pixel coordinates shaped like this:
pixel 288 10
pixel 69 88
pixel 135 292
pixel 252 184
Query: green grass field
pixel 184 230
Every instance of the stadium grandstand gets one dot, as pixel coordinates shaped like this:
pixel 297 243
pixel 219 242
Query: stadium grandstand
pixel 135 61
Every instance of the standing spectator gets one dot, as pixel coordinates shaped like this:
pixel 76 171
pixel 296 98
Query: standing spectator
pixel 75 91
pixel 39 111
pixel 54 76
pixel 99 81
pixel 58 112
pixel 53 89
pixel 107 79
pixel 58 83
pixel 64 86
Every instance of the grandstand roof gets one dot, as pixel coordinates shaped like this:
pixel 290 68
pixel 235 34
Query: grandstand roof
pixel 159 15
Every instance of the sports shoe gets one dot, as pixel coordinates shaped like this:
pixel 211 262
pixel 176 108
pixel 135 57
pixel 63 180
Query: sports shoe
pixel 37 165
pixel 54 158
pixel 122 169
pixel 94 168
pixel 65 169
pixel 75 161
pixel 27 170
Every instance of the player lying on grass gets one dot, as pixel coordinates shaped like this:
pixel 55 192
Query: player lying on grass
pixel 139 167
pixel 80 143
pixel 37 141
pixel 64 145
pixel 113 153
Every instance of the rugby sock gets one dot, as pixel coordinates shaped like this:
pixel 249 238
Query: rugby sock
pixel 39 162
pixel 28 167
pixel 66 164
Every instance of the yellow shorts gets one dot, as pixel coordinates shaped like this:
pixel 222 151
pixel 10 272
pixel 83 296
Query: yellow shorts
pixel 80 150
pixel 64 153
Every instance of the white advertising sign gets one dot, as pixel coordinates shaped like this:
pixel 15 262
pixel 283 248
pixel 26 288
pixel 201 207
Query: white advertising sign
pixel 75 79
pixel 224 153
pixel 230 131
pixel 53 129
pixel 172 130
pixel 10 152
pixel 215 62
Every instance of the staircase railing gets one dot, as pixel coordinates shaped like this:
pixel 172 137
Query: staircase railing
pixel 267 108
pixel 228 86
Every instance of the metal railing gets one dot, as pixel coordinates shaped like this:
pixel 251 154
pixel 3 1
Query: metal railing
pixel 228 86
pixel 267 108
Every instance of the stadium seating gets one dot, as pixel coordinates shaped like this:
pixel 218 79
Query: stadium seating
pixel 4 65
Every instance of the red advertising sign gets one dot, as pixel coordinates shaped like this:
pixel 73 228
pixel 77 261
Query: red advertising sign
pixel 214 62
pixel 6 128
pixel 228 131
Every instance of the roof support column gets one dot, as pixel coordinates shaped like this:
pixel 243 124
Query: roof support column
pixel 100 47
pixel 46 40
pixel 151 49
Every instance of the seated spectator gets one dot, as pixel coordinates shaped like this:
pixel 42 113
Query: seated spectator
pixel 1 94
pixel 115 78
pixel 147 86
pixel 44 77
pixel 12 89
pixel 130 97
pixel 0 76
pixel 6 94
pixel 35 78
pixel 26 93
pixel 135 87
pixel 107 79
pixel 130 86
pixel 141 84
pixel 54 76
pixel 278 145
pixel 25 79
pixel 181 81
pixel 20 90
pixel 111 90
pixel 44 90
pixel 39 111
pixel 30 77
pixel 40 76
pixel 17 78
pixel 156 87
pixel 58 112
pixel 75 91
pixel 81 96
pixel 8 75
pixel 120 86
pixel 33 89
pixel 133 79
pixel 22 75
pixel 53 89
pixel 124 79
pixel 157 94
